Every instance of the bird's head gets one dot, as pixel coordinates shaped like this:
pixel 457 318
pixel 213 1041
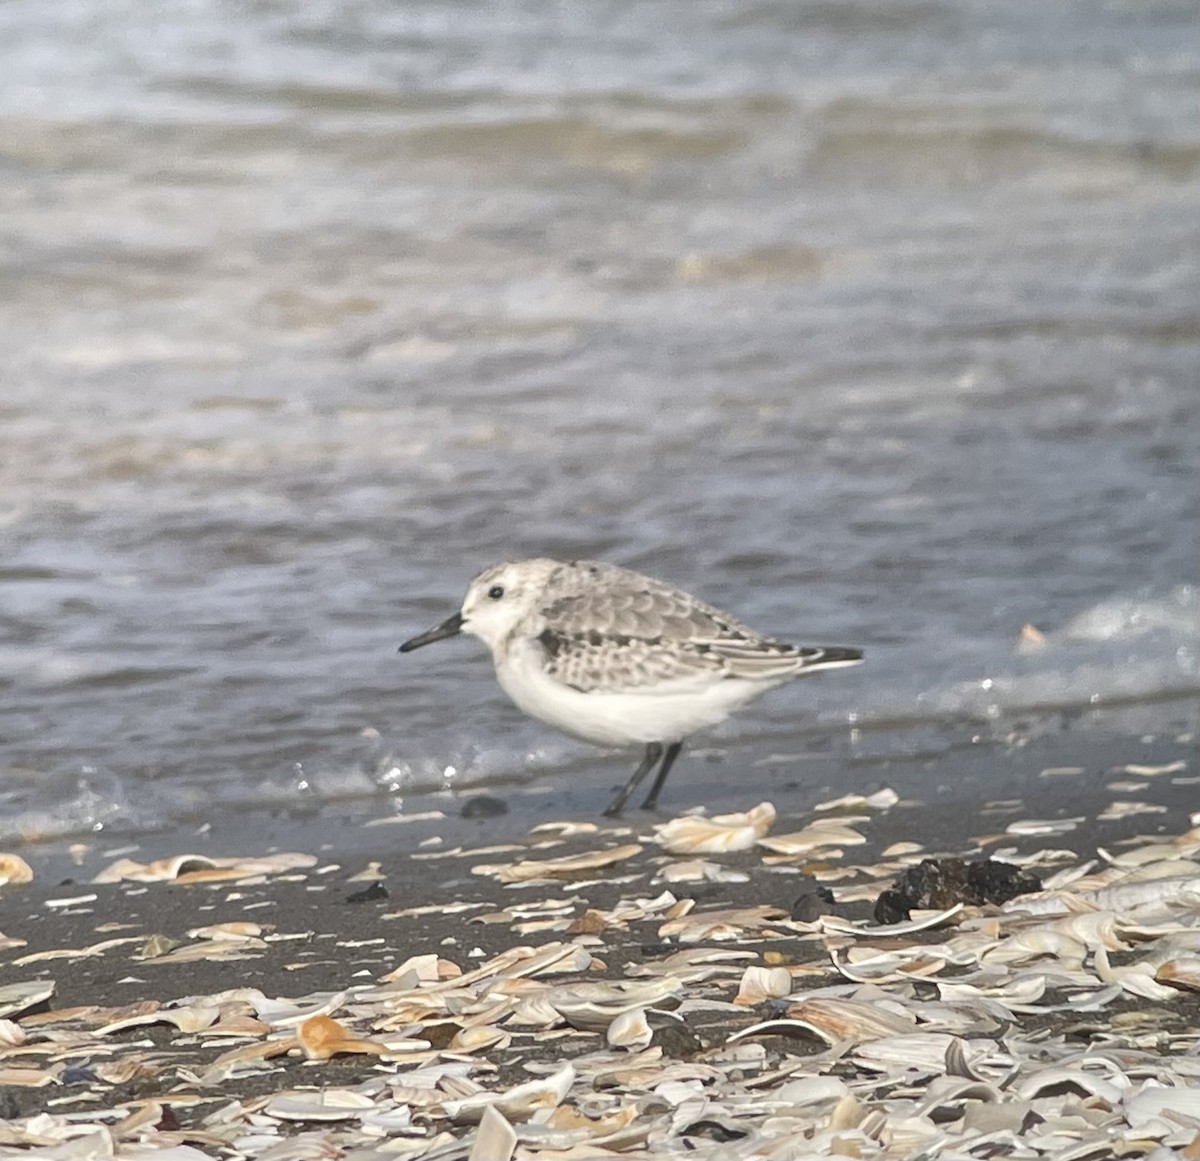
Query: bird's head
pixel 497 601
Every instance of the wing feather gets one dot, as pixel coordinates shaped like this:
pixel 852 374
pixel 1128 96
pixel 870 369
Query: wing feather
pixel 604 627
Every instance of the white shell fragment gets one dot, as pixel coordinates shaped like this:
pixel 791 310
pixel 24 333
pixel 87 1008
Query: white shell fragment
pixel 822 834
pixel 630 1030
pixel 14 870
pixel 697 835
pixel 496 1138
pixel 1046 826
pixel 15 998
pixel 592 1007
pixel 883 799
pixel 518 1103
pixel 335 1104
pixel 763 983
pixel 566 866
pixel 202 868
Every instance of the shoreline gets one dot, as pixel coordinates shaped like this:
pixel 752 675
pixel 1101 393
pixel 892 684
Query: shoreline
pixel 959 767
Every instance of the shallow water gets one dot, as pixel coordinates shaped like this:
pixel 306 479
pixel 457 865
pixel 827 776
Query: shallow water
pixel 877 323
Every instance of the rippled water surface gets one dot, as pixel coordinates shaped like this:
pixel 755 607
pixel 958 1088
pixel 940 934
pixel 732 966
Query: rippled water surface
pixel 878 323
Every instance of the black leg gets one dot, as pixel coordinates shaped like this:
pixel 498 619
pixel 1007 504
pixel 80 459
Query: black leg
pixel 649 758
pixel 665 769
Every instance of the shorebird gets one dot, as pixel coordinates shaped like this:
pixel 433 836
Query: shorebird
pixel 620 659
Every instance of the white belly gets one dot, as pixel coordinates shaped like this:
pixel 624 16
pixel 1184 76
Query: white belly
pixel 668 714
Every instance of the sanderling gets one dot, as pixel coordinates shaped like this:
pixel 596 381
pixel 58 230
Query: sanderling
pixel 620 659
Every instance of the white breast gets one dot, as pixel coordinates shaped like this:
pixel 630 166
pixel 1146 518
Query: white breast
pixel 650 714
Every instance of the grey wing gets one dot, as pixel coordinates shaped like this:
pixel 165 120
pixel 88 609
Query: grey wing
pixel 588 595
pixel 593 661
pixel 606 627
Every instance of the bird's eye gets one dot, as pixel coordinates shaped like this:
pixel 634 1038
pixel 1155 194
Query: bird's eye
pixel 496 592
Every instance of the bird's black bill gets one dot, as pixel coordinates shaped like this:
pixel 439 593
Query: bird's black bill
pixel 450 627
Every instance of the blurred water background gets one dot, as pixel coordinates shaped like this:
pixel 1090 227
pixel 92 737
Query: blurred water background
pixel 876 321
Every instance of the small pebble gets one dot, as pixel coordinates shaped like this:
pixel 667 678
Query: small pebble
pixel 484 806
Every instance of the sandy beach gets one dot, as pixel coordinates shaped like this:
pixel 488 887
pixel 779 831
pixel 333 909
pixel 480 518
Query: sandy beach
pixel 553 988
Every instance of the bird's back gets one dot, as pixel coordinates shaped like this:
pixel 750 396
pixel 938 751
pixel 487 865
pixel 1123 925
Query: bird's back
pixel 602 627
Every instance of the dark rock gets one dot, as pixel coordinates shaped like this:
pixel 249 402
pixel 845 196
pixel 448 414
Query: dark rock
pixel 483 806
pixel 891 907
pixel 672 1034
pixel 370 894
pixel 937 884
pixel 723 1129
pixel 813 901
pixel 77 1074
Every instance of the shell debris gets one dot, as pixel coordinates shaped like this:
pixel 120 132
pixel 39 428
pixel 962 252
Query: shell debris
pixel 697 835
pixel 14 870
pixel 703 994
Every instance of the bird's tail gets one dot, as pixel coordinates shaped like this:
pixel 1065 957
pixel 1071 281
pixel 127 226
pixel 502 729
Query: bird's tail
pixel 828 655
pixel 769 661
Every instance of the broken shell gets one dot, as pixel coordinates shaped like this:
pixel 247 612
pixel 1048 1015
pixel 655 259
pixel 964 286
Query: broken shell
pixel 479 1037
pixel 1094 929
pixel 334 1104
pixel 592 1007
pixel 15 998
pixel 495 1139
pixel 321 1037
pixel 1039 943
pixel 31 1077
pixel 1031 639
pixel 417 969
pixel 192 1018
pixel 232 932
pixel 700 870
pixel 630 1030
pixel 822 834
pixel 201 868
pixel 763 983
pixel 883 799
pixel 1157 1103
pixel 696 835
pixel 565 866
pixel 287 1014
pixel 730 923
pixel 1084 1083
pixel 14 870
pixel 838 1021
pixel 518 1103
pixel 1183 973
pixel 1135 978
pixel 1144 771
